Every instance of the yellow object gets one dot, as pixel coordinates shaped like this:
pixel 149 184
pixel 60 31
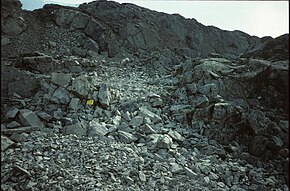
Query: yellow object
pixel 90 102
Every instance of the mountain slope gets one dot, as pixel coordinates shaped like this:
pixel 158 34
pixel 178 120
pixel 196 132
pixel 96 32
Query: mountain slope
pixel 109 96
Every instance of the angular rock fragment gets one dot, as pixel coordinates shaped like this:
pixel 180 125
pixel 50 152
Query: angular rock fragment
pixel 61 79
pixel 29 118
pixel 74 103
pixel 104 95
pixel 164 142
pixel 142 176
pixel 200 101
pixel 43 115
pixel 221 110
pixel 147 113
pixel 16 137
pixel 175 135
pixel 126 137
pixel 11 113
pixel 6 143
pixel 61 96
pixel 77 129
pixel 13 124
pixel 136 121
pixel 95 128
pixel 147 129
pixel 81 86
pixel 176 168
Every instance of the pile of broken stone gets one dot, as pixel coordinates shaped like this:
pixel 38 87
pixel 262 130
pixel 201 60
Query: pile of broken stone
pixel 142 132
pixel 74 118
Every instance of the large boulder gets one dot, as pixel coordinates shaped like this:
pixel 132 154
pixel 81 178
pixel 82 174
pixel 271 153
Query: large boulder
pixel 16 81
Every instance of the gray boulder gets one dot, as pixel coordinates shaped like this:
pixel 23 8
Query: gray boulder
pixel 81 86
pixel 95 129
pixel 61 79
pixel 61 96
pixel 77 129
pixel 29 118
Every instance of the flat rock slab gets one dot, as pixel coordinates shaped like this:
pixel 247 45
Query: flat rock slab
pixel 29 118
pixel 76 129
pixel 81 86
pixel 28 129
pixel 61 79
pixel 11 113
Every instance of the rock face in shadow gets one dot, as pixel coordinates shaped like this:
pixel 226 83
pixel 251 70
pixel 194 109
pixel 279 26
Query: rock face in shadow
pixel 270 49
pixel 110 96
pixel 12 22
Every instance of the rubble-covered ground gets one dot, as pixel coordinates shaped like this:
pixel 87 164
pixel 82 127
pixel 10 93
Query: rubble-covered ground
pixel 90 103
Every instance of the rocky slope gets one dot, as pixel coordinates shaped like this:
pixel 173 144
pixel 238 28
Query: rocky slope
pixel 112 96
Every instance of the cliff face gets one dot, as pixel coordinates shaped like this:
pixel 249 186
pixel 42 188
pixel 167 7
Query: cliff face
pixel 139 28
pixel 118 96
pixel 127 28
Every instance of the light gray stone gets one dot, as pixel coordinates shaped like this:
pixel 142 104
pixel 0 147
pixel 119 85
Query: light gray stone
pixel 176 168
pixel 175 135
pixel 5 143
pixel 147 129
pixel 95 128
pixel 74 104
pixel 61 79
pixel 116 120
pixel 126 137
pixel 104 95
pixel 136 121
pixel 164 142
pixel 190 173
pixel 19 130
pixel 147 113
pixel 81 86
pixel 142 176
pixel 126 116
